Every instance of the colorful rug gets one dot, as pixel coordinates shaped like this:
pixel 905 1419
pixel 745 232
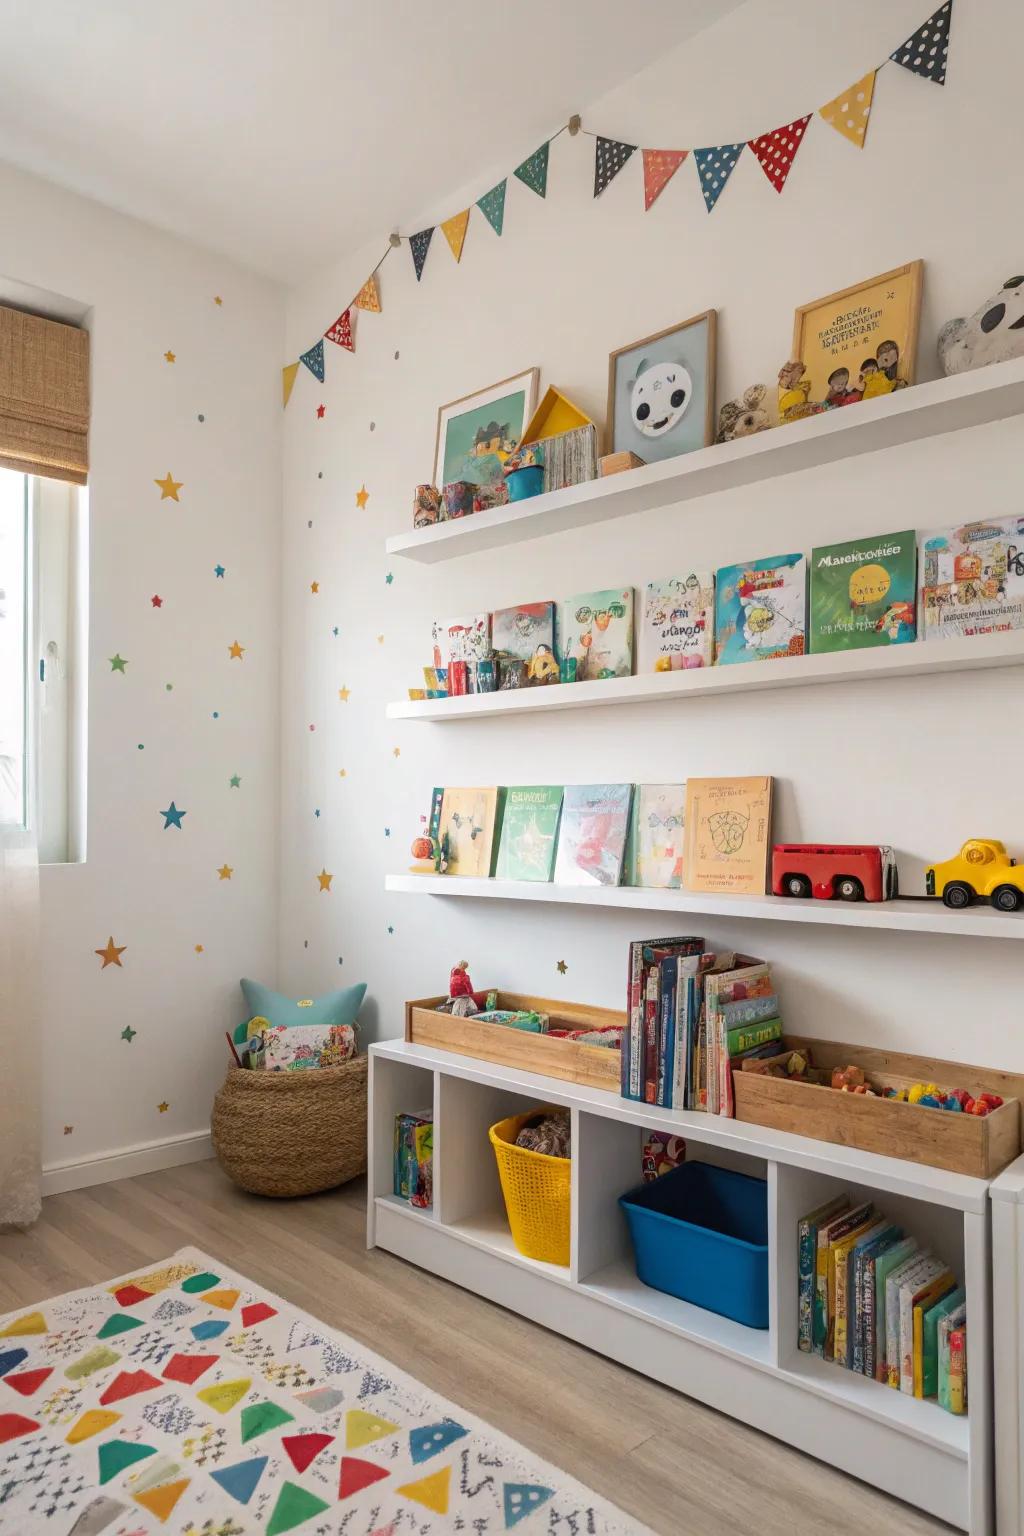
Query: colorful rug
pixel 182 1400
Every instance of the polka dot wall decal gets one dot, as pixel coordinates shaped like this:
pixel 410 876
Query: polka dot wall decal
pixel 314 587
pixel 156 600
pixel 310 523
pixel 362 497
pixel 373 426
pixel 340 960
pixel 215 714
pixel 218 571
pixel 236 651
pixel 305 943
pixel 562 967
pixel 325 880
pixel 111 955
pixel 117 663
pixel 235 781
pixel 169 357
pixel 163 1107
pixel 225 872
pixel 141 747
pixel 200 418
pixel 312 727
pixel 168 687
pixel 319 474
pixel 396 357
pixel 321 411
pixel 343 694
pixel 172 817
pixel 128 1034
pixel 169 487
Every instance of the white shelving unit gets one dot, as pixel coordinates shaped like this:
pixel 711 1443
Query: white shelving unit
pixel 1007 1192
pixel 912 1449
pixel 913 916
pixel 927 410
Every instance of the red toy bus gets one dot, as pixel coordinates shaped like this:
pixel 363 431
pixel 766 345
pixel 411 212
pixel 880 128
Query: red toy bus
pixel 851 872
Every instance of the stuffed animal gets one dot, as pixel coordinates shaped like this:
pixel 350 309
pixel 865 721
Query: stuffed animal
pixel 992 334
pixel 659 397
pixel 548 1133
pixel 745 415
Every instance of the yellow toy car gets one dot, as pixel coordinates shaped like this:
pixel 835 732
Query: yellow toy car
pixel 981 871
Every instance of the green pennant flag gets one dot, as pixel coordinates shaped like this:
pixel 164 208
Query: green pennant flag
pixel 534 171
pixel 492 206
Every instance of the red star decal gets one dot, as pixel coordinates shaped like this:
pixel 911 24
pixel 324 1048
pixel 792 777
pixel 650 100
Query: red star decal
pixel 157 602
pixel 320 410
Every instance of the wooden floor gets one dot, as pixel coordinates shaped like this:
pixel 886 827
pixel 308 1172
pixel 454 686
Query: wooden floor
pixel 680 1468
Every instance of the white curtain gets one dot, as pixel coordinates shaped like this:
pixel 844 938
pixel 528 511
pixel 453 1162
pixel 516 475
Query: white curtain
pixel 20 1052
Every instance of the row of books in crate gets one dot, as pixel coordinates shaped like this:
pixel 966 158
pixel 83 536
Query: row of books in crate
pixel 860 593
pixel 876 1301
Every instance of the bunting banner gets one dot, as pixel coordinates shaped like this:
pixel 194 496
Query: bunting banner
pixel 924 53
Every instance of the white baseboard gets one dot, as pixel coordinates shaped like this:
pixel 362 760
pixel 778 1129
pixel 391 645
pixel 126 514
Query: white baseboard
pixel 147 1157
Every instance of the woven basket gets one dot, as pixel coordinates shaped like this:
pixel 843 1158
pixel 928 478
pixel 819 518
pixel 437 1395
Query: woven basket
pixel 292 1133
pixel 537 1193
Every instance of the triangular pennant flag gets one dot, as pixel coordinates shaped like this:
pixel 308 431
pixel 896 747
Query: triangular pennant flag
pixel 117 1322
pixel 432 1491
pixel 205 1281
pixel 188 1368
pixel 116 1455
pixel 660 165
pixel 368 296
pixel 257 1312
pixel 924 52
pixel 714 167
pixel 11 1358
pixel 419 244
pixel 128 1295
pixel 14 1425
pixel 848 112
pixel 454 231
pixel 428 1440
pixel 533 172
pixel 27 1382
pixel 357 1475
pixel 521 1499
pixel 362 1428
pixel 492 206
pixel 341 331
pixel 223 1395
pixel 128 1384
pixel 95 1359
pixel 155 1474
pixel 32 1322
pixel 294 1507
pixel 161 1501
pixel 314 361
pixel 91 1423
pixel 321 1399
pixel 97 1516
pixel 227 1299
pixel 610 155
pixel 259 1417
pixel 302 1449
pixel 776 151
pixel 288 380
pixel 241 1479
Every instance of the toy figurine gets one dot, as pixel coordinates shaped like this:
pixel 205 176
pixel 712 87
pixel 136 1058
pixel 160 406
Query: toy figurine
pixel 981 871
pixel 426 506
pixel 992 334
pixel 745 415
pixel 460 1001
pixel 794 389
pixel 542 667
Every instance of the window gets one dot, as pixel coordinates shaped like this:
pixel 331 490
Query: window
pixel 42 662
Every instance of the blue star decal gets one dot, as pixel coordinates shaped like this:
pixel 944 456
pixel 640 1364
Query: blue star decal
pixel 387 831
pixel 335 631
pixel 390 928
pixel 218 570
pixel 389 578
pixel 172 816
pixel 316 813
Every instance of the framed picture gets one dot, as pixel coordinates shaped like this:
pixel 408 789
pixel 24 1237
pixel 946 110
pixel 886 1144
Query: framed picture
pixel 861 342
pixel 661 392
pixel 476 434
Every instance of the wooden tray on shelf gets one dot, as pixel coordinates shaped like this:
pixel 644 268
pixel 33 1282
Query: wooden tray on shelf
pixel 596 1066
pixel 969 1144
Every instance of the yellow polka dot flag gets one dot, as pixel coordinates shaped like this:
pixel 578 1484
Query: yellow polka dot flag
pixel 455 232
pixel 848 112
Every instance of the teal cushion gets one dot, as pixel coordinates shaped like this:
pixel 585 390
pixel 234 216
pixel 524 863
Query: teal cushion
pixel 333 1008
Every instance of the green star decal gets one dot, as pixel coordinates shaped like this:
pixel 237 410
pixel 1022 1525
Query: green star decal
pixel 117 663
pixel 235 781
pixel 128 1033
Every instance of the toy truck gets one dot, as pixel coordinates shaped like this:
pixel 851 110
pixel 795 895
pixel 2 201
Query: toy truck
pixel 849 872
pixel 981 871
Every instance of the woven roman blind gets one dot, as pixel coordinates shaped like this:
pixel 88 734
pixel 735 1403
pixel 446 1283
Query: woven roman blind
pixel 44 397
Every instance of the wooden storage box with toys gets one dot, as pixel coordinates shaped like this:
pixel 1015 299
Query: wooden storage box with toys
pixel 887 1102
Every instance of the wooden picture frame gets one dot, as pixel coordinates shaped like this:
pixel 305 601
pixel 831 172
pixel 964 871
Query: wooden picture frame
pixel 477 401
pixel 619 439
pixel 893 304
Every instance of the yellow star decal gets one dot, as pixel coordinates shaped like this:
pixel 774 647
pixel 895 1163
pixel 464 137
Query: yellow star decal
pixel 362 497
pixel 235 651
pixel 112 954
pixel 164 1107
pixel 325 880
pixel 396 751
pixel 314 587
pixel 343 694
pixel 380 639
pixel 225 871
pixel 217 299
pixel 198 949
pixel 170 357
pixel 169 487
pixel 342 773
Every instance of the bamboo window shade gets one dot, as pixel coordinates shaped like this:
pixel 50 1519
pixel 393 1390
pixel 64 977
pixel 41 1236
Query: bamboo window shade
pixel 44 397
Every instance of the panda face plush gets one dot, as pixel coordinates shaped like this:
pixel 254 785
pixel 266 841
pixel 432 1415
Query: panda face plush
pixel 992 334
pixel 660 397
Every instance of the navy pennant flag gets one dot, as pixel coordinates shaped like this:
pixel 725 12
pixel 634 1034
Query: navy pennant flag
pixel 314 361
pixel 419 244
pixel 924 52
pixel 610 156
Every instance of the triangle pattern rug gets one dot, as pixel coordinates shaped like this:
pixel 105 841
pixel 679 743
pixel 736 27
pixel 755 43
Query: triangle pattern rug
pixel 271 1422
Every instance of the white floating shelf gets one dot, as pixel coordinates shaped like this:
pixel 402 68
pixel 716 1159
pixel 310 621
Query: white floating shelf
pixel 919 658
pixel 926 410
pixel 913 916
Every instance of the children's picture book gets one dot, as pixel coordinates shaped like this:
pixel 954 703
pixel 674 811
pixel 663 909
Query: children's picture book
pixel 595 635
pixel 470 824
pixel 864 593
pixel 527 633
pixel 807 1239
pixel 727 835
pixel 646 1053
pixel 930 1340
pixel 676 628
pixel 886 1263
pixel 469 639
pixel 656 836
pixel 592 840
pixel 529 832
pixel 921 1267
pixel 831 1232
pixel 952 1360
pixel 972 579
pixel 760 609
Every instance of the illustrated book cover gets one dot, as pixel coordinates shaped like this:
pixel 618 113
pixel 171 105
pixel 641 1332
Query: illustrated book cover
pixel 595 635
pixel 972 579
pixel 529 832
pixel 592 841
pixel 727 835
pixel 677 625
pixel 656 836
pixel 864 593
pixel 527 633
pixel 760 609
pixel 470 823
pixel 469 639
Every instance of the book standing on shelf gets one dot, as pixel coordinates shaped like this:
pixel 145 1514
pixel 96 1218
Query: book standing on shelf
pixel 650 1016
pixel 807 1239
pixel 676 628
pixel 760 610
pixel 655 850
pixel 864 593
pixel 469 828
pixel 529 832
pixel 592 841
pixel 727 835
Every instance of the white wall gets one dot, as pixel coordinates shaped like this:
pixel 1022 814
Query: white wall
pixel 921 764
pixel 157 892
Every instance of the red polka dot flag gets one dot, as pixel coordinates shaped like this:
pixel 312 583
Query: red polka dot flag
pixel 341 331
pixel 776 151
pixel 660 165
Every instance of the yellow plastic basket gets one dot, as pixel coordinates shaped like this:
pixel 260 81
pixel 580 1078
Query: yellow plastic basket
pixel 537 1193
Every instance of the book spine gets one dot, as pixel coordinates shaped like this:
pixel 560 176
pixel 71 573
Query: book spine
pixel 892 1335
pixel 943 1363
pixel 820 1297
pixel 855 1350
pixel 917 1363
pixel 906 1358
pixel 651 1018
pixel 958 1370
pixel 750 1010
pixel 747 1036
pixel 868 1316
pixel 677 1086
pixel 807 1234
pixel 666 1029
pixel 630 1074
pixel 840 1332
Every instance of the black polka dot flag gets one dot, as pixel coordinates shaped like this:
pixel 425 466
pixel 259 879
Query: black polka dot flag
pixel 419 244
pixel 609 158
pixel 924 52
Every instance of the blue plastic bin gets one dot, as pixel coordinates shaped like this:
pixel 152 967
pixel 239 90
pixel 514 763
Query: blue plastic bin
pixel 701 1233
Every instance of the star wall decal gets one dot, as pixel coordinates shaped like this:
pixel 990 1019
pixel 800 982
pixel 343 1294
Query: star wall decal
pixel 389 578
pixel 225 872
pixel 325 880
pixel 112 954
pixel 128 1033
pixel 562 967
pixel 396 751
pixel 169 357
pixel 235 651
pixel 157 600
pixel 235 781
pixel 217 299
pixel 335 631
pixel 198 948
pixel 172 816
pixel 314 587
pixel 320 412
pixel 316 813
pixel 343 694
pixel 117 663
pixel 362 497
pixel 164 1107
pixel 380 639
pixel 169 487
pixel 342 773
pixel 68 1129
pixel 218 571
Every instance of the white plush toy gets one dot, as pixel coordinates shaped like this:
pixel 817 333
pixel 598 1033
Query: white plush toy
pixel 660 396
pixel 992 334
